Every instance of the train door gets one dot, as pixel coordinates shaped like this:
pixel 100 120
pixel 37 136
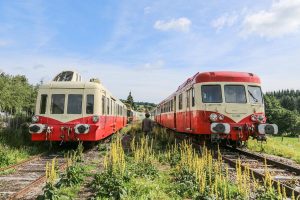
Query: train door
pixel 188 121
pixel 174 106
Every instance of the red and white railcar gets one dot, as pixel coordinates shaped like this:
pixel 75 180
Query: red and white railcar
pixel 68 109
pixel 217 105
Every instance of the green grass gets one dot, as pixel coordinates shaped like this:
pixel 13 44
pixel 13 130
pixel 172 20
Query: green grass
pixel 15 146
pixel 287 147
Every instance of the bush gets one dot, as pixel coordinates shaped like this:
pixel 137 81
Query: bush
pixel 110 185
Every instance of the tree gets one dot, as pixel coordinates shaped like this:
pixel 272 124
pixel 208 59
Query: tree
pixel 130 101
pixel 288 102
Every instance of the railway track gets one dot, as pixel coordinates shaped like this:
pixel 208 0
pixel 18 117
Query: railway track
pixel 284 175
pixel 25 176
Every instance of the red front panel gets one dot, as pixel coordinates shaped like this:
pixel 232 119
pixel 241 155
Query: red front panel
pixel 59 131
pixel 200 124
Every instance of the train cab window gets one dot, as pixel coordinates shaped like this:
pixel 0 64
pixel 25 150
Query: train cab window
pixel 89 104
pixel 235 94
pixel 43 103
pixel 255 94
pixel 74 104
pixel 180 102
pixel 57 104
pixel 211 94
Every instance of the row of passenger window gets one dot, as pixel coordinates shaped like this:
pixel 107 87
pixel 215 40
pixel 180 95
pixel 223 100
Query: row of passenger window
pixel 74 104
pixel 110 107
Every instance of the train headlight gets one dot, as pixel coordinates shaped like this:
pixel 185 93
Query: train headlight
pixel 35 119
pixel 221 117
pixel 95 118
pixel 82 128
pixel 213 117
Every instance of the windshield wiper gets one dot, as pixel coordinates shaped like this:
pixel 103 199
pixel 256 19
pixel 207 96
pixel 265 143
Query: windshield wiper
pixel 255 99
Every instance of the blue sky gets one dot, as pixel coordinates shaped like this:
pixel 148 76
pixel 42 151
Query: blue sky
pixel 151 47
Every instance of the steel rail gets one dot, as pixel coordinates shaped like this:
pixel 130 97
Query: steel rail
pixel 233 163
pixel 22 162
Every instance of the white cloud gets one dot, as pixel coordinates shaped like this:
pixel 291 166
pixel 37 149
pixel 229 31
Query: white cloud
pixel 159 64
pixel 282 18
pixel 147 10
pixel 5 43
pixel 181 24
pixel 225 20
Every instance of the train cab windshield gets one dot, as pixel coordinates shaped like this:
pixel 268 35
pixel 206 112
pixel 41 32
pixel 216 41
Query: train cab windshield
pixel 211 94
pixel 255 94
pixel 235 94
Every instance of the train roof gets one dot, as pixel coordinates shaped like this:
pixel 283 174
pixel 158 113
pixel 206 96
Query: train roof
pixel 226 76
pixel 217 76
pixel 221 76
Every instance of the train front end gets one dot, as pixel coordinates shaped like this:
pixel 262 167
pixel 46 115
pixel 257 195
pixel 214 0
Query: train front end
pixel 232 107
pixel 72 110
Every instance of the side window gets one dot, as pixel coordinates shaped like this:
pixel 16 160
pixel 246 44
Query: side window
pixel 107 106
pixel 90 104
pixel 43 103
pixel 180 102
pixel 103 105
pixel 188 98
pixel 193 97
pixel 57 104
pixel 74 104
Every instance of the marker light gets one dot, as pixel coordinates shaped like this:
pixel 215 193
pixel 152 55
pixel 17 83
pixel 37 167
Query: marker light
pixel 35 119
pixel 213 117
pixel 95 118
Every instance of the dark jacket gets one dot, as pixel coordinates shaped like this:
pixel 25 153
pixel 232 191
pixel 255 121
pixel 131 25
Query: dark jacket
pixel 147 125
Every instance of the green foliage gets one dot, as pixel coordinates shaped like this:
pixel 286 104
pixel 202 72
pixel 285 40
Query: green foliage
pixel 287 147
pixel 74 175
pixel 287 121
pixel 185 183
pixel 110 185
pixel 50 192
pixel 143 169
pixel 130 101
pixel 18 89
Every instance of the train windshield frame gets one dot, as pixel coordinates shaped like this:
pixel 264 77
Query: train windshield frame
pixel 57 103
pixel 211 94
pixel 64 76
pixel 255 94
pixel 235 94
pixel 74 104
pixel 89 104
pixel 43 104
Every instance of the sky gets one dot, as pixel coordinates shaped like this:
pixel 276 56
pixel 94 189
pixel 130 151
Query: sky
pixel 151 47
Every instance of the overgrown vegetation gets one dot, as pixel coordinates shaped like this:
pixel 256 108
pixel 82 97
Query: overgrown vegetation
pixel 286 147
pixel 67 184
pixel 282 109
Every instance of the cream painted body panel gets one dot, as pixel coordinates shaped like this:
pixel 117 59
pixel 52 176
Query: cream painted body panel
pixel 235 111
pixel 84 88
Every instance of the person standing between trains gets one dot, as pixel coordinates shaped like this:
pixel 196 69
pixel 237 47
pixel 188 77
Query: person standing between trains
pixel 147 125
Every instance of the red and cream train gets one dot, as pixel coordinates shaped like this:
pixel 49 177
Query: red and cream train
pixel 68 109
pixel 216 106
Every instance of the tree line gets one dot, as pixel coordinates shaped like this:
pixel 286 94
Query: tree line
pixel 283 109
pixel 17 95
